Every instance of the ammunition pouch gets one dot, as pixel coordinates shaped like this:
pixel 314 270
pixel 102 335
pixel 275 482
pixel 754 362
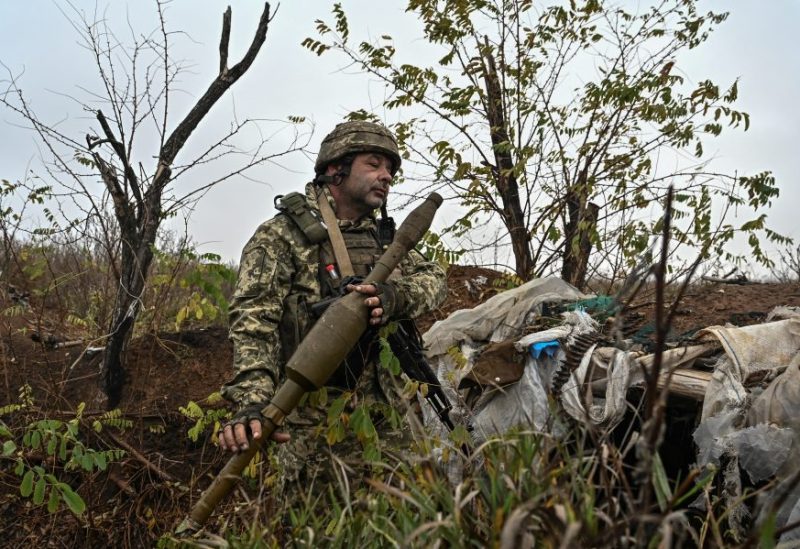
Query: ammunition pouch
pixel 295 206
pixel 295 323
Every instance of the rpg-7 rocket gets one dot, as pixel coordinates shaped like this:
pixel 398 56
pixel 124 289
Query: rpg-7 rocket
pixel 316 358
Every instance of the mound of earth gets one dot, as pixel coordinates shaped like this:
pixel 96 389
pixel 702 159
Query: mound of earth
pixel 167 370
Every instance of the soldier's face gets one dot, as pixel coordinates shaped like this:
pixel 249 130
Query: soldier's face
pixel 367 186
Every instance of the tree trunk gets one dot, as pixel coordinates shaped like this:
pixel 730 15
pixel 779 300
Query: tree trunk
pixel 137 256
pixel 581 223
pixel 505 178
pixel 139 214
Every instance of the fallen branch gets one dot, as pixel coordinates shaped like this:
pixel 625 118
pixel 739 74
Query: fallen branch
pixel 741 279
pixel 123 485
pixel 134 453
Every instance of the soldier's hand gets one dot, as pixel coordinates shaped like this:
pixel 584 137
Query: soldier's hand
pixel 233 437
pixel 373 301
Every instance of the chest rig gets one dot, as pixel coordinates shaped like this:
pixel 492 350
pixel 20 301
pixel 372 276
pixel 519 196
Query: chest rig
pixel 344 256
pixel 357 249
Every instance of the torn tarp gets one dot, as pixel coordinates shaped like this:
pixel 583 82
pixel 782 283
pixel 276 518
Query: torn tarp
pixel 747 378
pixel 453 344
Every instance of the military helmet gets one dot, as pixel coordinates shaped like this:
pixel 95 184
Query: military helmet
pixel 357 137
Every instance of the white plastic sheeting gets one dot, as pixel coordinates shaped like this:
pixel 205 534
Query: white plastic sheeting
pixel 501 317
pixel 744 426
pixel 604 412
pixel 747 350
pixel 755 428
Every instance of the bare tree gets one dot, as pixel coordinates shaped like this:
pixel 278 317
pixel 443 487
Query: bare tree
pixel 787 269
pixel 138 83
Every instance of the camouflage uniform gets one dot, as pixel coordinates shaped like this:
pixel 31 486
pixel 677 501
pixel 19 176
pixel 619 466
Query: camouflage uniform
pixel 281 274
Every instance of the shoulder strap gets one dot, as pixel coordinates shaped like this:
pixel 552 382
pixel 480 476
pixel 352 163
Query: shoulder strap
pixel 296 207
pixel 335 235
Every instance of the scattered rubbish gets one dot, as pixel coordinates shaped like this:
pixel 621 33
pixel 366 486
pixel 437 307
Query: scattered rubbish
pixel 549 348
pixel 744 381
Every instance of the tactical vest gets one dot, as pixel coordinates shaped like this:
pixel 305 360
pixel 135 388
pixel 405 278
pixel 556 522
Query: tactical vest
pixel 364 248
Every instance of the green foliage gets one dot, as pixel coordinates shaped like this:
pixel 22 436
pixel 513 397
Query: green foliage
pixel 112 419
pixel 207 279
pixel 60 443
pixel 387 358
pixel 205 418
pixel 529 485
pixel 434 249
pixel 507 281
pixel 79 279
pixel 32 195
pixel 338 418
pixel 514 135
pixel 343 416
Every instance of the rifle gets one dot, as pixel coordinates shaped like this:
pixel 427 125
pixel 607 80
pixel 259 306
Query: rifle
pixel 407 347
pixel 406 344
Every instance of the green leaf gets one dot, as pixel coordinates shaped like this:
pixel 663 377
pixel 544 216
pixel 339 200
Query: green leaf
pixel 660 483
pixel 9 447
pixel 704 481
pixel 38 491
pixel 51 446
pixel 181 316
pixel 388 359
pixel 766 537
pixel 335 433
pixel 336 409
pixel 101 461
pixel 52 503
pixel 62 450
pixel 26 486
pixel 74 502
pixel 372 452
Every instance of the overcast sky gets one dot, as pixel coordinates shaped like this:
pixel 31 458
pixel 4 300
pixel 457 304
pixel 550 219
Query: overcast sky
pixel 756 44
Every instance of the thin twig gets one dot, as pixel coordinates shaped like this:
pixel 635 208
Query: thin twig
pixel 133 452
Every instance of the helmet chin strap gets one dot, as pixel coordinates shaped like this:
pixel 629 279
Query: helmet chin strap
pixel 323 179
pixel 333 180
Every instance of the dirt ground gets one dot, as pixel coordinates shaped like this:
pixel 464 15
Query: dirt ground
pixel 137 499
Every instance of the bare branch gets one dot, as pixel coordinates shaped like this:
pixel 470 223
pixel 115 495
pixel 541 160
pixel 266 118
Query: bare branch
pixel 119 148
pixel 224 40
pixel 218 87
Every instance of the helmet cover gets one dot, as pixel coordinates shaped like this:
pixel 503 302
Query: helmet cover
pixel 357 137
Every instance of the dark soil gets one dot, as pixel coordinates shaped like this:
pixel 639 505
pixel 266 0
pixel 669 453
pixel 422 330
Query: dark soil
pixel 135 501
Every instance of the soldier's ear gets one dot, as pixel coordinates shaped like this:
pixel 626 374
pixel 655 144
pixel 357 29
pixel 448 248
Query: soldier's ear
pixel 332 169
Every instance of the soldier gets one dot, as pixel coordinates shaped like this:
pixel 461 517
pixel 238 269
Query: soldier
pixel 299 258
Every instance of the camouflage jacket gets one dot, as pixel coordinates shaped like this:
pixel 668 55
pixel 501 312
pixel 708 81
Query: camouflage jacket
pixel 280 276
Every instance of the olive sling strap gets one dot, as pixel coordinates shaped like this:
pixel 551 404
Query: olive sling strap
pixel 334 234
